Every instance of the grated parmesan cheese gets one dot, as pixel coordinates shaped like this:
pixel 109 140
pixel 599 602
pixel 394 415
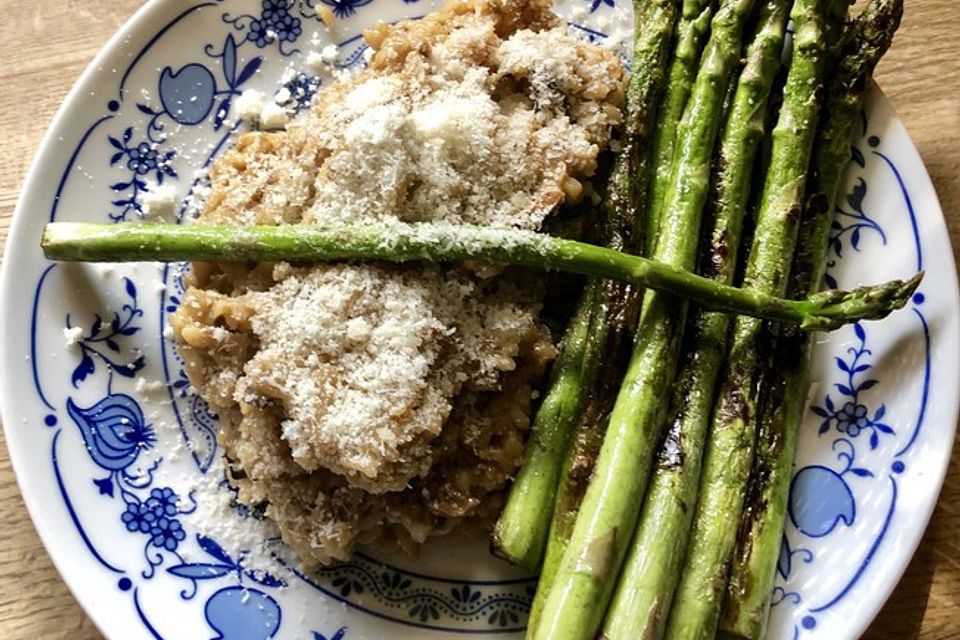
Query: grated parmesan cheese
pixel 249 105
pixel 273 116
pixel 159 202
pixel 72 335
pixel 315 62
pixel 329 53
pixel 282 96
pixel 145 387
pixel 355 350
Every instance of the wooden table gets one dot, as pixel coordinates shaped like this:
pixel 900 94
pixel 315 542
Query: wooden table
pixel 45 44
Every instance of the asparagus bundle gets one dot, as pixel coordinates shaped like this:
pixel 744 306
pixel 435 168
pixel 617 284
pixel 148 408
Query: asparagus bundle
pixel 521 532
pixel 747 600
pixel 584 581
pixel 690 33
pixel 726 466
pixel 642 599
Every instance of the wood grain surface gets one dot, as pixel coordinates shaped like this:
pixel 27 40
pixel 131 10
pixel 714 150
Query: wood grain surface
pixel 45 44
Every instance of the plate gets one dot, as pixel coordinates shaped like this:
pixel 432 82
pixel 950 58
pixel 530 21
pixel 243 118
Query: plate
pixel 117 459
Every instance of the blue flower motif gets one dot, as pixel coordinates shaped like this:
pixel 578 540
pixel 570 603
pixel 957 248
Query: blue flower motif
pixel 503 617
pixel 163 502
pixel 259 34
pixel 465 594
pixel 167 533
pixel 286 27
pixel 302 89
pixel 347 585
pixel 395 580
pixel 142 159
pixel 138 518
pixel 274 23
pixel 113 430
pixel 851 418
pixel 424 611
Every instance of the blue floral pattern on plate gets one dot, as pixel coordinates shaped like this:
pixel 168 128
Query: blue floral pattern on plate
pixel 848 414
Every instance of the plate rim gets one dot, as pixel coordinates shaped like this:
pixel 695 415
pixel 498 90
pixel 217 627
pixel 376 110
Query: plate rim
pixel 150 12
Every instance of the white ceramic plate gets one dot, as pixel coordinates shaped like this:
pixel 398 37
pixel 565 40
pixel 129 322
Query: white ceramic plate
pixel 107 470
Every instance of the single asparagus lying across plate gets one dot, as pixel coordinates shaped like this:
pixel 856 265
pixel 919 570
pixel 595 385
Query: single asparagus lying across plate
pixel 401 242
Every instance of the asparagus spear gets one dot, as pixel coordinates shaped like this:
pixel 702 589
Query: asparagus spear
pixel 577 599
pixel 726 466
pixel 653 28
pixel 642 599
pixel 400 242
pixel 521 532
pixel 690 32
pixel 584 449
pixel 652 32
pixel 754 561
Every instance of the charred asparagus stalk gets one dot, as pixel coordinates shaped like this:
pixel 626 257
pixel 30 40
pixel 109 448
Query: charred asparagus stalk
pixel 616 304
pixel 729 452
pixel 645 588
pixel 399 242
pixel 747 600
pixel 585 443
pixel 521 532
pixel 690 33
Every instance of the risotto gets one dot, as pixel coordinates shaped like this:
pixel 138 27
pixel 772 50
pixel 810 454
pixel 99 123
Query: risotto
pixel 389 403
